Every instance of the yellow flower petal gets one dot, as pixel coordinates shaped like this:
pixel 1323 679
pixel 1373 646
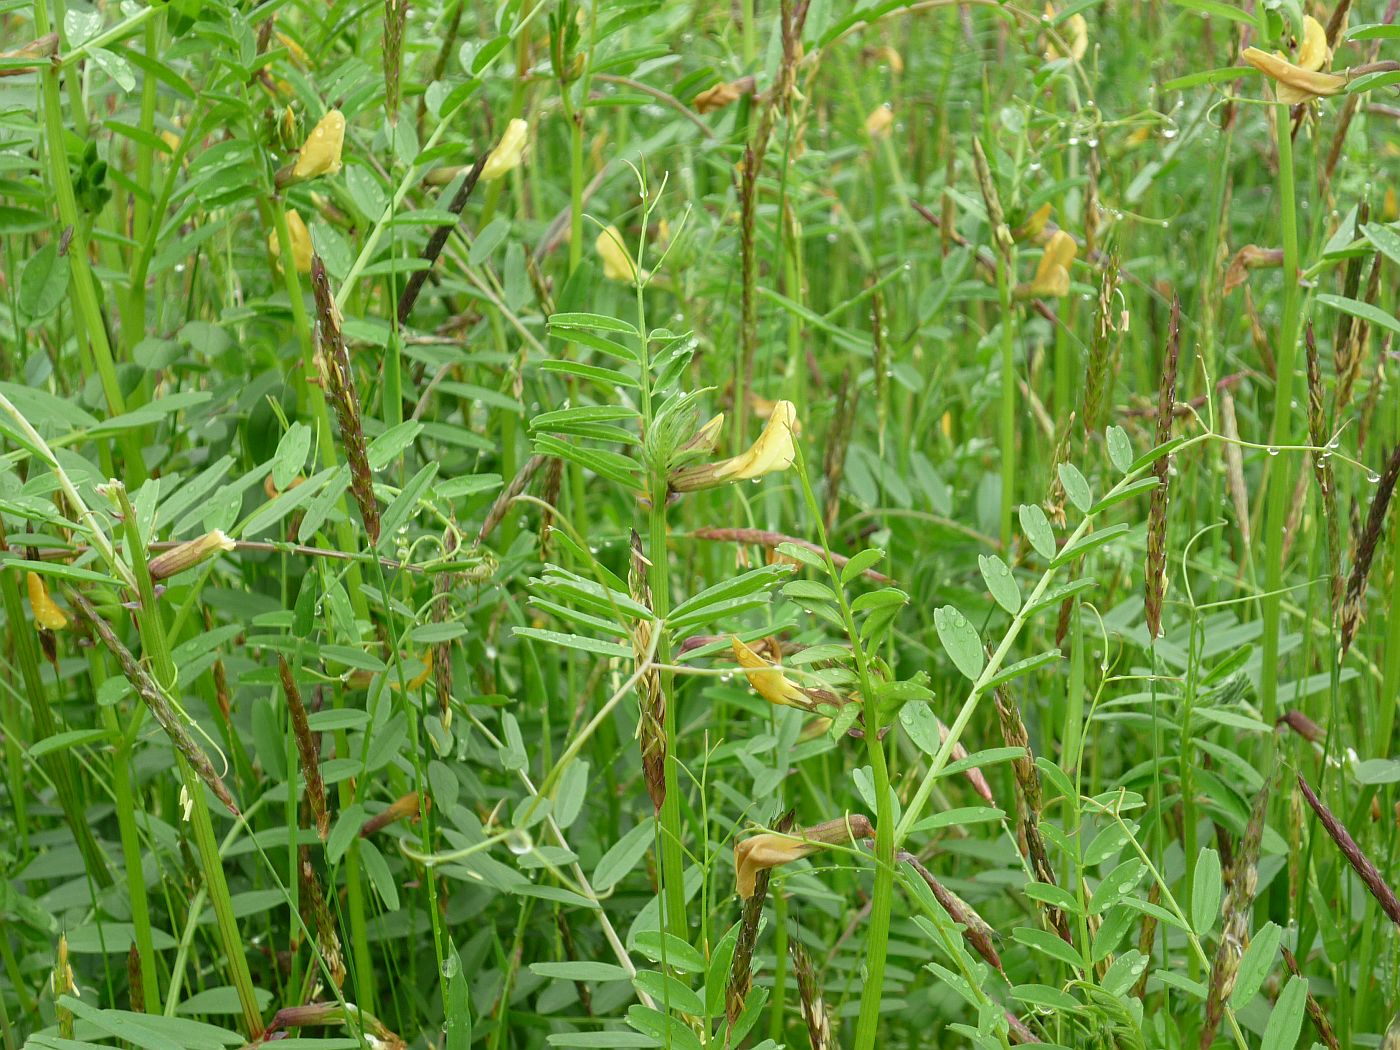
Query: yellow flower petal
pixel 1313 52
pixel 768 850
pixel 767 681
pixel 617 260
pixel 879 123
pixel 1294 84
pixel 320 154
pixel 1073 31
pixel 47 614
pixel 773 451
pixel 508 152
pixel 301 242
pixel 1052 274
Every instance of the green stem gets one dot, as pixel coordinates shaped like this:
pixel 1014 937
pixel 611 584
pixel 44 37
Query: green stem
pixel 1281 430
pixel 877 937
pixel 1008 400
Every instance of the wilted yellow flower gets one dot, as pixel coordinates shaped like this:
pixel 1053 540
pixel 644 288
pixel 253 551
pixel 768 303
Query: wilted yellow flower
pixel 617 260
pixel 1052 273
pixel 767 681
pixel 47 614
pixel 720 95
pixel 773 451
pixel 301 242
pixel 188 555
pixel 508 152
pixel 1303 80
pixel 320 154
pixel 1074 31
pixel 768 850
pixel 880 121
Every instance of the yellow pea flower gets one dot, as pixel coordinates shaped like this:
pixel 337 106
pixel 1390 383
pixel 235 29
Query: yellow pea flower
pixel 320 154
pixel 617 260
pixel 47 614
pixel 1305 79
pixel 1390 207
pixel 773 451
pixel 508 152
pixel 301 242
pixel 721 95
pixel 1074 31
pixel 769 850
pixel 1052 273
pixel 767 681
pixel 880 121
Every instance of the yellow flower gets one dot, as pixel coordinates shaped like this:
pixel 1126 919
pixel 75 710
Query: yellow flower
pixel 1390 209
pixel 1034 226
pixel 721 95
pixel 617 260
pixel 773 451
pixel 301 242
pixel 47 614
pixel 506 156
pixel 880 121
pixel 768 850
pixel 1052 273
pixel 767 681
pixel 1305 79
pixel 320 154
pixel 1074 31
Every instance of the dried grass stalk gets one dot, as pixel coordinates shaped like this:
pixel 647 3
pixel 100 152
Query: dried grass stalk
pixel 1157 514
pixel 153 696
pixel 1107 321
pixel 338 383
pixel 1359 862
pixel 1234 468
pixel 651 731
pixel 316 916
pixel 1013 731
pixel 1315 1014
pixel 1322 471
pixel 976 932
pixel 809 992
pixel 501 506
pixel 1243 881
pixel 1366 549
pixel 736 989
pixel 308 750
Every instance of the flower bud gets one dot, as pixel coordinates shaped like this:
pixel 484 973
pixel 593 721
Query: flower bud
pixel 47 614
pixel 188 555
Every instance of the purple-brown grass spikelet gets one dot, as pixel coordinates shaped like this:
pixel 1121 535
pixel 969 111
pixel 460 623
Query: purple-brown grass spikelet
pixel 1358 860
pixel 1157 514
pixel 338 384
pixel 1366 549
pixel 307 749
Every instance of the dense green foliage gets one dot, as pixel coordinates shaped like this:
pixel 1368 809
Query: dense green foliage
pixel 698 525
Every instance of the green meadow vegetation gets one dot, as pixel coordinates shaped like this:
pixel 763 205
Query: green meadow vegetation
pixel 653 523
